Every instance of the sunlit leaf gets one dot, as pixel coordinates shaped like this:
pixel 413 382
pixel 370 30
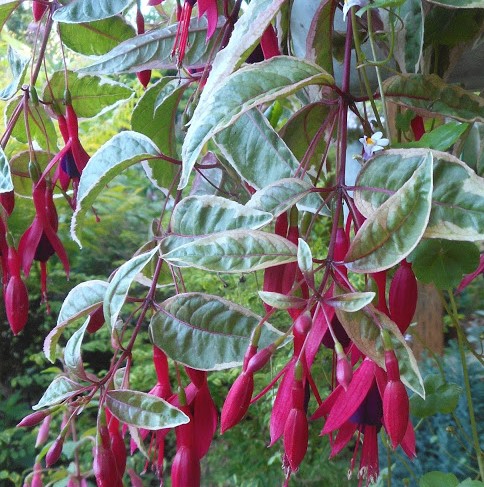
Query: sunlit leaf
pixel 202 215
pixel 18 65
pixel 206 332
pixel 98 37
pixel 81 300
pixel 91 95
pixel 304 256
pixel 394 230
pixel 117 154
pixel 119 286
pixel 263 82
pixel 144 410
pixel 59 389
pixel 282 301
pixel 72 352
pixel 351 302
pixel 6 9
pixel 234 251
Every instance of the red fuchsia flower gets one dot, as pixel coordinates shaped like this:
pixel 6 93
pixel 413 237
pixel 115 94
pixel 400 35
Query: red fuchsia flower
pixel 296 424
pixel 43 432
pixel 7 200
pixel 418 127
pixel 237 401
pixel 395 401
pixel 403 296
pixel 104 464
pixel 470 277
pixel 181 37
pixel 37 477
pixel 209 7
pixel 269 43
pixel 40 240
pixel 380 279
pixel 16 296
pixel 117 443
pixel 76 482
pixel 145 75
pixel 344 370
pixel 38 9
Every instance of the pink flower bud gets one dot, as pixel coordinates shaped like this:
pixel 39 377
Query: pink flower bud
pixel 144 77
pixel 303 323
pixel 344 371
pixel 260 359
pixel 185 470
pixel 237 401
pixel 54 452
pixel 162 371
pixel 104 464
pixel 17 304
pixel 34 418
pixel 43 433
pixel 403 296
pixel 391 364
pixel 96 319
pixel 296 437
pixel 37 477
pixel 269 43
pixel 119 451
pixel 395 411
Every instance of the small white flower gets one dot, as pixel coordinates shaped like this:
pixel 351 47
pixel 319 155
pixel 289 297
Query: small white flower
pixel 373 144
pixel 348 4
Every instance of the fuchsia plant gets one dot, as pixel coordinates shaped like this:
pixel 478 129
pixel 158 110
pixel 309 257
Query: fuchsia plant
pixel 252 160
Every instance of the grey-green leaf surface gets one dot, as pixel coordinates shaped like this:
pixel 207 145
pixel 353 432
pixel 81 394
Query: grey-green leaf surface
pixel 6 183
pixel 117 154
pixel 152 50
pixel 458 193
pixel 202 215
pixel 363 327
pixel 234 251
pixel 91 95
pixel 304 256
pixel 282 301
pixel 351 302
pixel 430 95
pixel 459 3
pixel 206 332
pixel 144 410
pixel 243 90
pixel 18 65
pixel 89 10
pixel 394 230
pixel 119 286
pixel 72 352
pixel 278 197
pixel 98 37
pixel 81 300
pixel 59 389
pixel 442 138
pixel 266 159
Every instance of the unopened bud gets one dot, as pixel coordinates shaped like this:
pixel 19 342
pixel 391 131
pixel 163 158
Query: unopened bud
pixel 296 437
pixel 344 371
pixel 237 401
pixel 34 418
pixel 260 359
pixel 395 411
pixel 54 451
pixel 303 323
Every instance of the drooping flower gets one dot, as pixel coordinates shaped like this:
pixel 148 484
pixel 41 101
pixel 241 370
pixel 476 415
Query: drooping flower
pixel 403 295
pixel 373 144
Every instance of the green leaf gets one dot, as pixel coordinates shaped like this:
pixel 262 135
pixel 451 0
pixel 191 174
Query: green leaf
pixel 471 483
pixel 459 3
pixel 81 300
pixel 264 161
pixel 144 410
pixel 394 230
pixel 363 327
pixel 262 83
pixel 444 262
pixel 442 138
pixel 72 352
pixel 174 86
pixel 117 154
pixel 304 257
pixel 202 215
pixel 89 10
pixel 41 128
pixel 119 286
pixel 430 95
pixel 278 197
pixel 6 183
pixel 282 301
pixel 18 65
pixel 351 302
pixel 234 251
pixel 59 389
pixel 96 38
pixel 438 479
pixel 91 95
pixel 299 131
pixel 6 9
pixel 206 332
pixel 458 194
pixel 440 397
pixel 152 50
pixel 19 168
